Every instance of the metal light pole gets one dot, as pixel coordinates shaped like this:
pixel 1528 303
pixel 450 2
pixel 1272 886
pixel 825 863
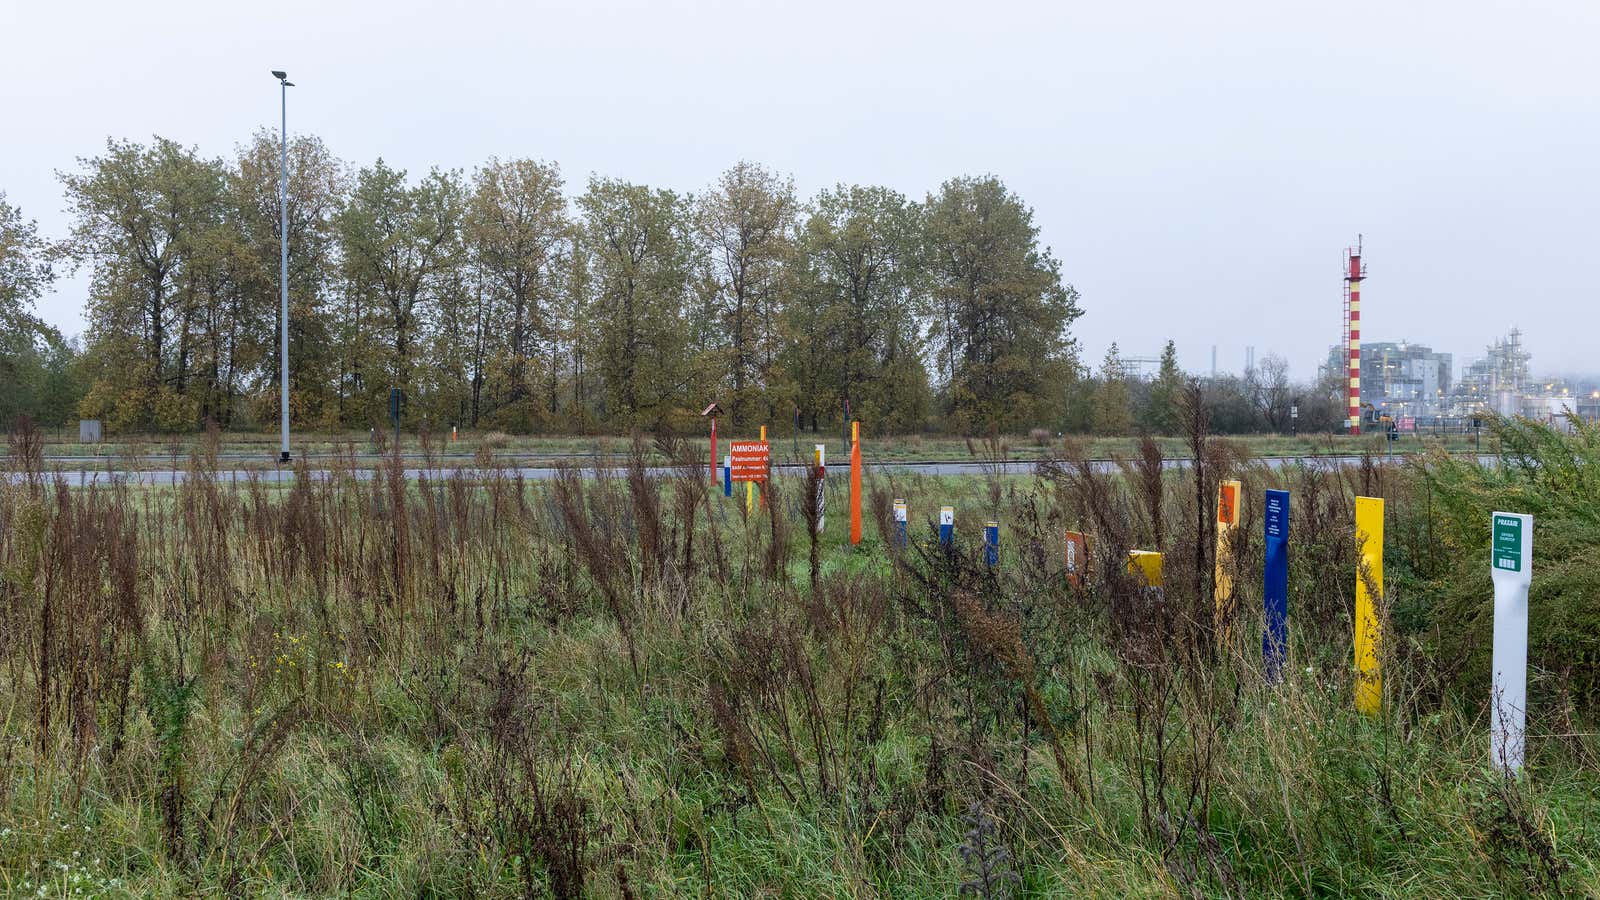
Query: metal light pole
pixel 283 258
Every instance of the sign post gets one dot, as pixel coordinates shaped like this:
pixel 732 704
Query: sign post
pixel 1077 560
pixel 1369 630
pixel 947 525
pixel 1227 520
pixel 855 483
pixel 991 544
pixel 750 483
pixel 1511 567
pixel 1275 585
pixel 822 474
pixel 900 522
pixel 727 475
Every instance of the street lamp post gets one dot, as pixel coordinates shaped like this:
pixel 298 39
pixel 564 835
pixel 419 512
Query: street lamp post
pixel 283 260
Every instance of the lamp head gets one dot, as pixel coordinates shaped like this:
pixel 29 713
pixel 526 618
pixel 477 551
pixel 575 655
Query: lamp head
pixel 279 74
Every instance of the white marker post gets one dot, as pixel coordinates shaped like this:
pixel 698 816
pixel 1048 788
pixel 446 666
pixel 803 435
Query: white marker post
pixel 1511 564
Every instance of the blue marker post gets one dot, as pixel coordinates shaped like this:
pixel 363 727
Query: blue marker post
pixel 727 476
pixel 991 544
pixel 947 525
pixel 1275 587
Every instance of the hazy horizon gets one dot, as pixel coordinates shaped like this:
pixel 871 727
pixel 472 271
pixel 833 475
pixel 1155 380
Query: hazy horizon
pixel 1197 169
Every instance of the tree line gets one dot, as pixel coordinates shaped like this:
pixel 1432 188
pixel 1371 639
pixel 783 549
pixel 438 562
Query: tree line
pixel 504 298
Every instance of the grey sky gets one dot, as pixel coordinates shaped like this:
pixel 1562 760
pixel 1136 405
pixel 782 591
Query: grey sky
pixel 1196 166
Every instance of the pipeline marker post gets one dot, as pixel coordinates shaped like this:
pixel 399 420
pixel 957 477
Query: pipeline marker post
pixel 991 544
pixel 1227 521
pixel 900 522
pixel 947 525
pixel 1511 567
pixel 1275 585
pixel 1368 629
pixel 1077 560
pixel 855 483
pixel 750 487
pixel 1147 565
pixel 821 461
pixel 727 475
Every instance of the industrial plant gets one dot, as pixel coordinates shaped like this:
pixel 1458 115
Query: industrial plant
pixel 1408 386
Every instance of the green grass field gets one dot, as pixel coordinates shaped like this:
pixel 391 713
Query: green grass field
pixel 629 687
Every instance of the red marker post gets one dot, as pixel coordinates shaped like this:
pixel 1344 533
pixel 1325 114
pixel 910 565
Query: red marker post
pixel 711 412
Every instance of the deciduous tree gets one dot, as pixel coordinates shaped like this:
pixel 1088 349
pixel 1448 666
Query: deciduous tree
pixel 640 254
pixel 1001 313
pixel 746 226
pixel 399 243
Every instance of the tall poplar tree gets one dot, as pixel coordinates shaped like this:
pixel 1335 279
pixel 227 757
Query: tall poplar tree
pixel 854 318
pixel 146 219
pixel 318 183
pixel 520 237
pixel 746 227
pixel 399 243
pixel 639 252
pixel 1000 313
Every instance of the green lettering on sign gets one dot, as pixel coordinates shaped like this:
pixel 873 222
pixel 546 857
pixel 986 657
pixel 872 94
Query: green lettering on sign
pixel 1508 543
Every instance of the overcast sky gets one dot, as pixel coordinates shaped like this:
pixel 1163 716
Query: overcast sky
pixel 1197 167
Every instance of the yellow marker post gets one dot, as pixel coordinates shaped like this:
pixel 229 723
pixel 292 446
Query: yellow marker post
pixel 1146 563
pixel 750 486
pixel 1228 493
pixel 1369 630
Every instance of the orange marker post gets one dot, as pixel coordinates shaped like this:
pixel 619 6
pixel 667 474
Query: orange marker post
pixel 855 483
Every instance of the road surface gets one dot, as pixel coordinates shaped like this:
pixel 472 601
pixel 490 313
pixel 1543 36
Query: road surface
pixel 84 476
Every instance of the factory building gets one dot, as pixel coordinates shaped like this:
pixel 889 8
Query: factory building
pixel 1401 379
pixel 1405 379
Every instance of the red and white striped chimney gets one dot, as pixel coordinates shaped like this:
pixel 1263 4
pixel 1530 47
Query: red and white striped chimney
pixel 1353 276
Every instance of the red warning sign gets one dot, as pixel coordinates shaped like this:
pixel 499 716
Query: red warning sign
pixel 751 461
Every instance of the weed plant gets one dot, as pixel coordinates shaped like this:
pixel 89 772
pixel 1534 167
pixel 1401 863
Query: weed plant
pixel 466 684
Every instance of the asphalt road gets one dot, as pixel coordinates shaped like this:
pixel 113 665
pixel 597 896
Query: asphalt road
pixel 84 476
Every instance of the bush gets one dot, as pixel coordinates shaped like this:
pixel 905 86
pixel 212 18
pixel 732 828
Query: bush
pixel 1555 476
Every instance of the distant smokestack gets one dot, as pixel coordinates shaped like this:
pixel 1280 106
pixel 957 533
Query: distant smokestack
pixel 1353 275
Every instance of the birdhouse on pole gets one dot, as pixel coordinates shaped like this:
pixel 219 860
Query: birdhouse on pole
pixel 711 412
